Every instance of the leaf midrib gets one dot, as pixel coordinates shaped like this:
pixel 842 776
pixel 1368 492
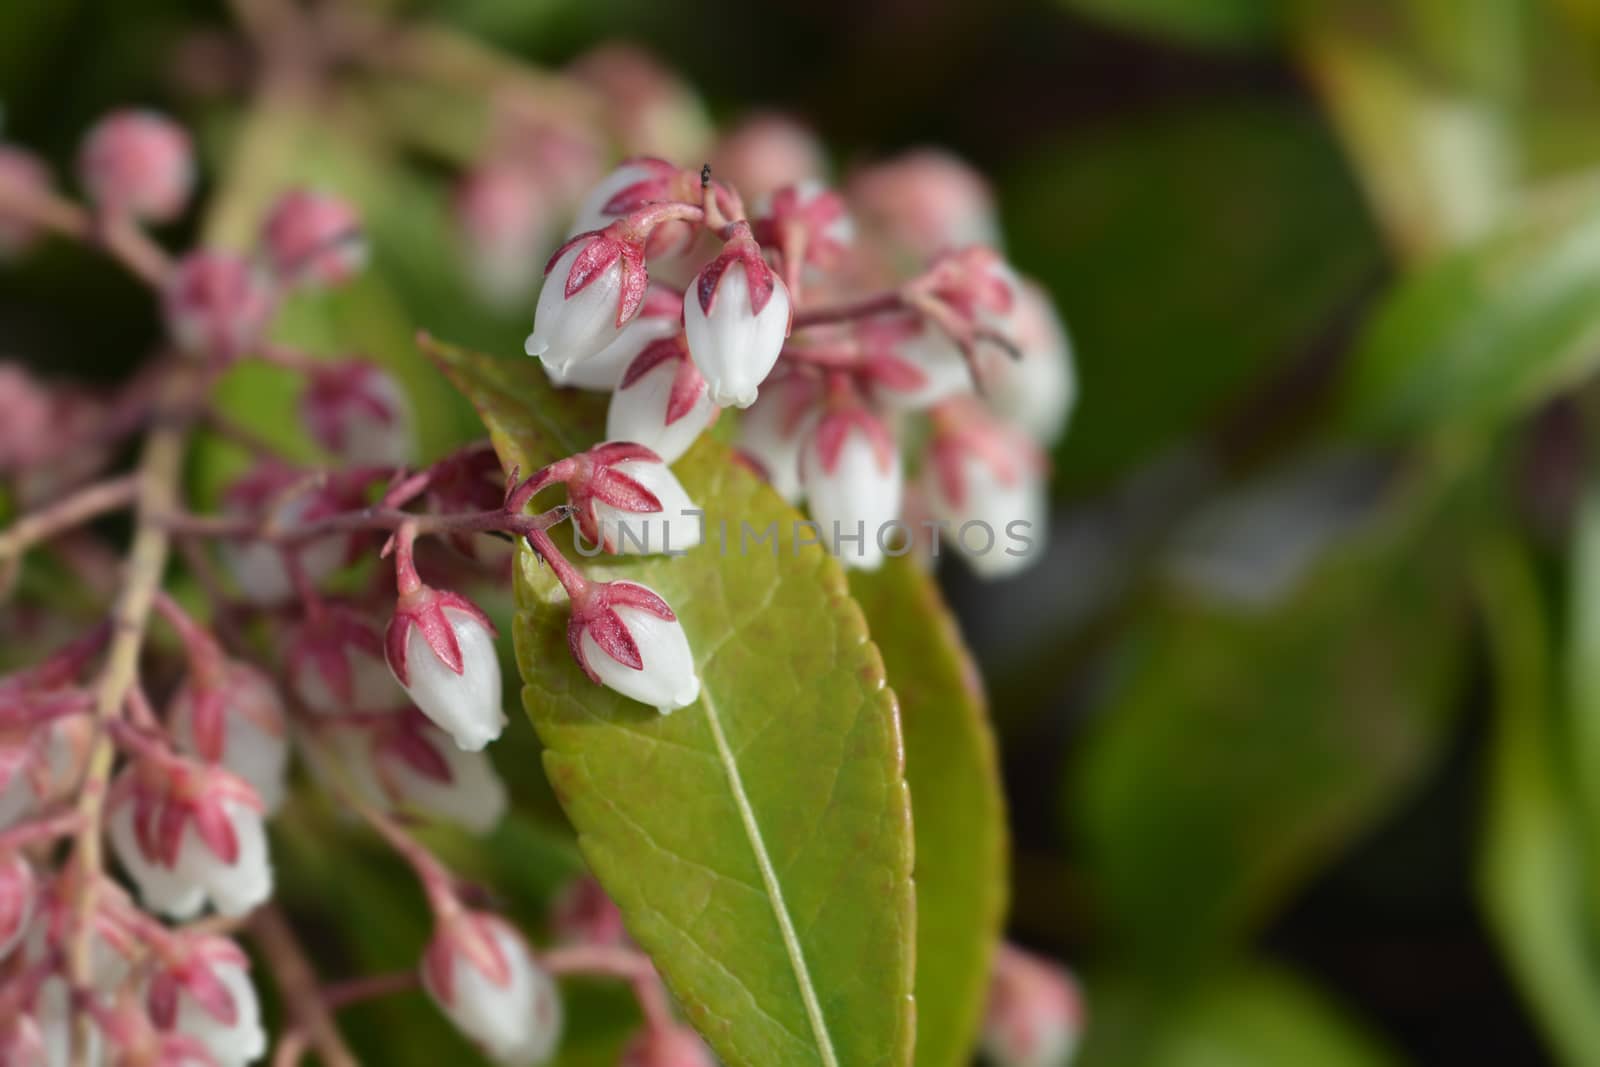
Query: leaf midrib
pixel 769 878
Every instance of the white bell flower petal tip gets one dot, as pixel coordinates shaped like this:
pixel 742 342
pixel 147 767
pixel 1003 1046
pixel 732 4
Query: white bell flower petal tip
pixel 594 285
pixel 661 401
pixel 440 647
pixel 736 321
pixel 627 638
pixel 482 975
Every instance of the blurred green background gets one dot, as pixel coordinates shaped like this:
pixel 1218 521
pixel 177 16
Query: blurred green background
pixel 1300 728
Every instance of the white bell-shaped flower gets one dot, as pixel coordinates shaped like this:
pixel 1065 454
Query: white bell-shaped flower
pixel 661 401
pixel 986 484
pixel 736 317
pixel 335 664
pixel 594 286
pixel 941 368
pixel 441 650
pixel 626 637
pixel 482 975
pixel 407 764
pixel 359 412
pixel 774 428
pixel 207 995
pixel 674 527
pixel 850 468
pixel 632 173
pixel 1037 388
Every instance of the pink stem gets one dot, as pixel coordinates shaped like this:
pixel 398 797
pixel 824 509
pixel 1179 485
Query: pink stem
pixel 866 307
pixel 571 580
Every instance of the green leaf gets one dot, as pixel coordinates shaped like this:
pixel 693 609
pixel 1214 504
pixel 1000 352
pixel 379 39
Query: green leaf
pixel 1485 333
pixel 1239 749
pixel 1225 23
pixel 1531 873
pixel 956 799
pixel 1190 252
pixel 759 842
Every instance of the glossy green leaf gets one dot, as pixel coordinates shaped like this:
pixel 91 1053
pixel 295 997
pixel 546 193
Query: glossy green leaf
pixel 759 841
pixel 1239 749
pixel 1531 867
pixel 956 798
pixel 1485 333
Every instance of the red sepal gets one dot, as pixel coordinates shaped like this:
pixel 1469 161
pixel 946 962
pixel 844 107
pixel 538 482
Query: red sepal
pixel 835 429
pixel 688 385
pixel 759 277
pixel 425 610
pixel 598 616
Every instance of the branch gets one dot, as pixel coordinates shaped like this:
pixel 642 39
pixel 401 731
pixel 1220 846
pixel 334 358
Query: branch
pixel 122 239
pixel 297 982
pixel 77 508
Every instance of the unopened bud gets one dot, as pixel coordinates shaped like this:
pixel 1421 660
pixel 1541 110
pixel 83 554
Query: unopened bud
pixel 482 975
pixel 217 304
pixel 313 238
pixel 1035 1016
pixel 138 163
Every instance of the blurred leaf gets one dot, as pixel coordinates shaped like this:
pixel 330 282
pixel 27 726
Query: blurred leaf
pixel 1485 333
pixel 1237 751
pixel 1531 867
pixel 758 842
pixel 1228 23
pixel 1190 252
pixel 956 801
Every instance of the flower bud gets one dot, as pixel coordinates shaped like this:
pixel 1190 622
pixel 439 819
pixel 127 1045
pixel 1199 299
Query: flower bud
pixel 926 201
pixel 807 215
pixel 18 891
pixel 441 650
pixel 404 763
pixel 632 184
pixel 233 717
pixel 626 637
pixel 736 319
pixel 25 173
pixel 357 411
pixel 42 764
pixel 137 163
pixel 207 995
pixel 314 239
pixel 188 834
pixel 773 429
pixel 594 284
pixel 659 317
pixel 765 152
pixel 986 483
pixel 666 1046
pixel 217 304
pixel 661 401
pixel 850 469
pixel 630 502
pixel 938 369
pixel 280 497
pixel 1035 1015
pixel 583 913
pixel 1036 388
pixel 501 212
pixel 335 664
pixel 482 975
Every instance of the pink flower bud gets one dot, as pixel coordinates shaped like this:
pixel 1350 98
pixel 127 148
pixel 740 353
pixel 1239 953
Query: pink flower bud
pixel 217 304
pixel 661 401
pixel 926 201
pixel 137 163
pixel 850 468
pixel 628 501
pixel 660 317
pixel 206 995
pixel 583 913
pixel 232 716
pixel 187 834
pixel 402 762
pixel 1035 1016
pixel 594 284
pixel 482 975
pixel 1037 388
pixel 18 892
pixel 25 173
pixel 357 411
pixel 441 650
pixel 668 1046
pixel 314 239
pixel 763 153
pixel 502 213
pixel 626 637
pixel 282 497
pixel 774 428
pixel 810 214
pixel 986 482
pixel 336 664
pixel 736 318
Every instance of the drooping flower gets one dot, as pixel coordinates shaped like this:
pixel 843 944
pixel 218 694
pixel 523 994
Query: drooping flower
pixel 1035 1015
pixel 335 665
pixel 357 411
pixel 138 163
pixel 594 284
pixel 661 401
pixel 1036 387
pixel 660 316
pixel 403 762
pixel 986 483
pixel 774 428
pixel 850 468
pixel 205 992
pixel 440 647
pixel 313 238
pixel 480 972
pixel 736 318
pixel 217 304
pixel 625 636
pixel 229 713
